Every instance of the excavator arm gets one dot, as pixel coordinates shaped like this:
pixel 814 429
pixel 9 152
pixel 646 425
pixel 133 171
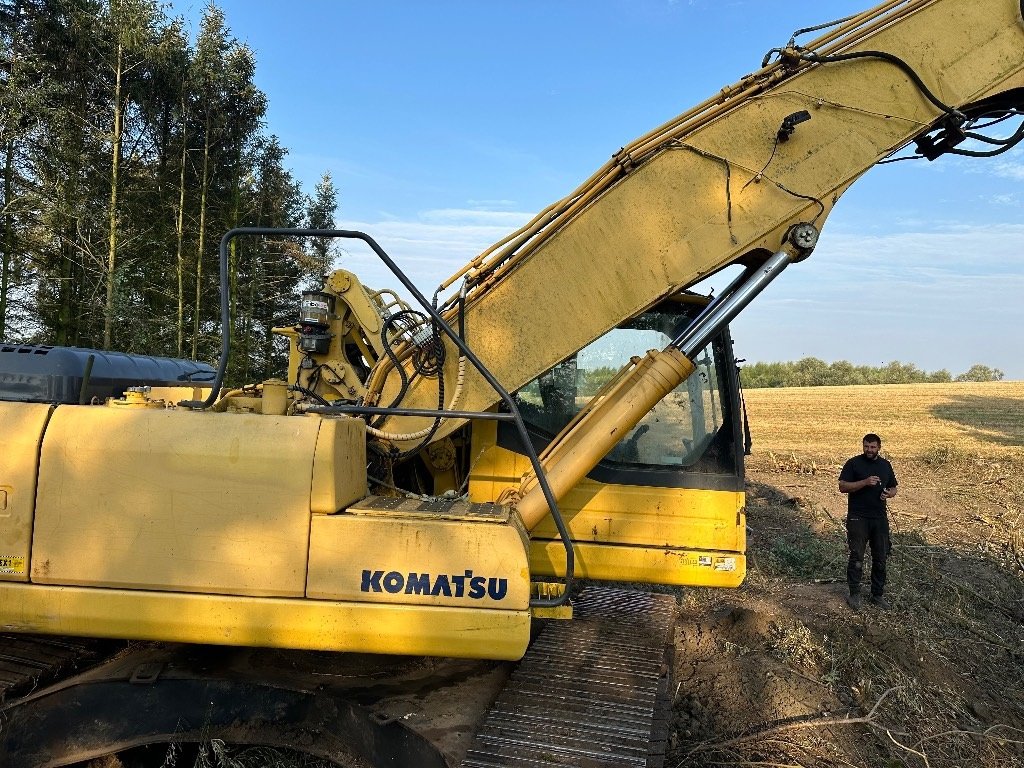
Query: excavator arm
pixel 722 184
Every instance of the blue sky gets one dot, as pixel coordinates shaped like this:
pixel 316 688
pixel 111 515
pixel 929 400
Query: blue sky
pixel 445 125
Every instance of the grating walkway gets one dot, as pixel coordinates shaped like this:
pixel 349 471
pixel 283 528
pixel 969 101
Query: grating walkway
pixel 589 692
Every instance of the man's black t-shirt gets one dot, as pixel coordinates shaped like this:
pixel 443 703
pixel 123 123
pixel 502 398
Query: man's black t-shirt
pixel 868 501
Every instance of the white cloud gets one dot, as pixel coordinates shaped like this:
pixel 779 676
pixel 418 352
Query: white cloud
pixel 942 297
pixel 1010 170
pixel 947 297
pixel 430 247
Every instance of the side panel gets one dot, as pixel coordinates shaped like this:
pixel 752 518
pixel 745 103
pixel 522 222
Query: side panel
pixel 644 565
pixel 265 622
pixel 174 500
pixel 681 536
pixel 339 465
pixel 21 431
pixel 418 561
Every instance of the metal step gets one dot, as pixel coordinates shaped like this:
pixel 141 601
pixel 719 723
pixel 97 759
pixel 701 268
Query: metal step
pixel 589 692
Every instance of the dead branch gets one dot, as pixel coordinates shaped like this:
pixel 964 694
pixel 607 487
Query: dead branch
pixel 815 722
pixel 985 734
pixel 922 755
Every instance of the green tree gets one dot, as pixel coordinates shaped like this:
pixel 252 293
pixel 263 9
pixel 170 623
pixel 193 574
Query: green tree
pixel 22 96
pixel 132 24
pixel 978 372
pixel 320 211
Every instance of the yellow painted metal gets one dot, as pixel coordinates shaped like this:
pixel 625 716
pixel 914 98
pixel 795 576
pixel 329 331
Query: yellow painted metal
pixel 267 622
pixel 356 322
pixel 646 565
pixel 176 500
pixel 21 432
pixel 549 590
pixel 599 426
pixel 275 397
pixel 714 187
pixel 629 533
pixel 175 394
pixel 403 555
pixel 137 398
pixel 339 463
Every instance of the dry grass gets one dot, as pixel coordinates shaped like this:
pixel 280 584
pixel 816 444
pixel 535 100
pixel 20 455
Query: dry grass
pixel 828 422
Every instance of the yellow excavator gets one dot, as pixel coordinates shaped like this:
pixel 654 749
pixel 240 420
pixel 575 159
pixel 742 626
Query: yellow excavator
pixel 425 488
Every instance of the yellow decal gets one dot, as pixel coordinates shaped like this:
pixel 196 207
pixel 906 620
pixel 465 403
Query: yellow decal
pixel 12 564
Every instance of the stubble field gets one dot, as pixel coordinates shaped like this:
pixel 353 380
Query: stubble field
pixel 782 673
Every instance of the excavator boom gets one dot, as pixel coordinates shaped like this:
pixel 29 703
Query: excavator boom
pixel 722 183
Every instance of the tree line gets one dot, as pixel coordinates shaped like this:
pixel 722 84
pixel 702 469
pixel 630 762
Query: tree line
pixel 812 372
pixel 127 152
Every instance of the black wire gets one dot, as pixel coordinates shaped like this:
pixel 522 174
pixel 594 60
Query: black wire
pixel 760 173
pixel 997 120
pixel 309 393
pixel 958 116
pixel 394 359
pixel 899 159
pixel 1012 139
pixel 892 59
pixel 974 153
pixel 433 428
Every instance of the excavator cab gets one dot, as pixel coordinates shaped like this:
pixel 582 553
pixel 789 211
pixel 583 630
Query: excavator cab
pixel 665 505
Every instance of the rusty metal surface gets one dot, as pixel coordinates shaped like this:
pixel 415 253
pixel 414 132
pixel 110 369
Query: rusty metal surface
pixel 590 692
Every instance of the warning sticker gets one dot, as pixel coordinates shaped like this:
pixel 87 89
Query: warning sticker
pixel 725 564
pixel 12 564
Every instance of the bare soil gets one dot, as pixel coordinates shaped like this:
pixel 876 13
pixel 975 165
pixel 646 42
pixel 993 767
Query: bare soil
pixel 781 672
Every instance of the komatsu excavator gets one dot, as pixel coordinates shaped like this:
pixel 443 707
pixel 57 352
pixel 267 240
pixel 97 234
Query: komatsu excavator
pixel 345 561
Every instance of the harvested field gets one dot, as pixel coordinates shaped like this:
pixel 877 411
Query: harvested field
pixel 912 419
pixel 782 673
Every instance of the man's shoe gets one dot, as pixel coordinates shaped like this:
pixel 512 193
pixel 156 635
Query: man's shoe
pixel 880 603
pixel 853 601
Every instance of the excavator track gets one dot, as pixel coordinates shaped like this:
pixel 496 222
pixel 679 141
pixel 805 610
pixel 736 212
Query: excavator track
pixel 28 662
pixel 591 692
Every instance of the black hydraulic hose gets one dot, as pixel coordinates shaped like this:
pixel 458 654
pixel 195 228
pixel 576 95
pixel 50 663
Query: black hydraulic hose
pixel 308 393
pixel 83 390
pixel 433 428
pixel 892 59
pixel 978 153
pixel 1003 145
pixel 394 359
pixel 225 324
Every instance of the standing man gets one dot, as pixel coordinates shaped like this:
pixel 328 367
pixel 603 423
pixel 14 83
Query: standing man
pixel 868 480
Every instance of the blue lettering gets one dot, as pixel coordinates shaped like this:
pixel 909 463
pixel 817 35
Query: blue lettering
pixel 462 585
pixel 441 586
pixel 496 588
pixel 477 588
pixel 417 584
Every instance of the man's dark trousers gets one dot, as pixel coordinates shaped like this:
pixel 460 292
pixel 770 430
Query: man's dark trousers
pixel 861 532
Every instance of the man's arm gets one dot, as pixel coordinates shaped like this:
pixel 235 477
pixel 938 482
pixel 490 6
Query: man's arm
pixel 850 486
